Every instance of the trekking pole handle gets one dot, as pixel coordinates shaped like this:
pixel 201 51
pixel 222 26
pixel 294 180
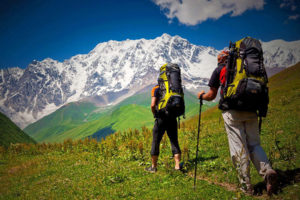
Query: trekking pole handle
pixel 201 99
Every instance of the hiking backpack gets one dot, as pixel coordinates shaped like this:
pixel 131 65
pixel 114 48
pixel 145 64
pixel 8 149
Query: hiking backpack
pixel 246 79
pixel 171 102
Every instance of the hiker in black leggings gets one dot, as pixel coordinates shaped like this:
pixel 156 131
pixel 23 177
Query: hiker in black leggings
pixel 162 124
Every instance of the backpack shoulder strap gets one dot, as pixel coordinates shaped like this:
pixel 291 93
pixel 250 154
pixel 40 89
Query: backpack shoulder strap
pixel 259 124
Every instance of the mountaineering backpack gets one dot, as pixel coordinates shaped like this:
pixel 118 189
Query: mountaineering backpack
pixel 246 79
pixel 171 102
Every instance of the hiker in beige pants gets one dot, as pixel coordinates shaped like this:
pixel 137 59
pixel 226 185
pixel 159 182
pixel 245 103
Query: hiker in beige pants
pixel 244 144
pixel 243 135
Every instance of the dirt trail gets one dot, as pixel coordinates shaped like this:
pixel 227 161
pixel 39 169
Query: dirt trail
pixel 227 186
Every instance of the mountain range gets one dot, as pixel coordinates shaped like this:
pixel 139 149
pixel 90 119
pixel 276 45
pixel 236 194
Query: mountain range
pixel 114 71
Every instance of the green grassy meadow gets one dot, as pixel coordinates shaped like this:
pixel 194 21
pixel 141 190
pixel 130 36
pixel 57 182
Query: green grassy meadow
pixel 114 167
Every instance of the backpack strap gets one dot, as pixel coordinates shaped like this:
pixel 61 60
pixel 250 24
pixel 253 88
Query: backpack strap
pixel 259 124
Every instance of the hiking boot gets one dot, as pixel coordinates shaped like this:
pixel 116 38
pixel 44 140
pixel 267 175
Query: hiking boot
pixel 248 191
pixel 151 169
pixel 271 182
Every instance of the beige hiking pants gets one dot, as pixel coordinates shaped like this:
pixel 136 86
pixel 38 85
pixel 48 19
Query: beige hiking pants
pixel 244 143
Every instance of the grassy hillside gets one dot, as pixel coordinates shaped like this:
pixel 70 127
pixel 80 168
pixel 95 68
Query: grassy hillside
pixel 11 133
pixel 83 119
pixel 133 116
pixel 65 118
pixel 114 168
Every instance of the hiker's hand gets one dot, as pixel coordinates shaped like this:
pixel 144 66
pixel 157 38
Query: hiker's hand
pixel 200 93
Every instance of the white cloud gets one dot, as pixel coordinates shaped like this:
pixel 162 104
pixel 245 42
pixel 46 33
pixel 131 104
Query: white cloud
pixel 289 4
pixel 294 17
pixel 192 12
pixel 292 6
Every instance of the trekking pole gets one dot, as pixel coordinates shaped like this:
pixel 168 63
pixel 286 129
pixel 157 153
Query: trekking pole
pixel 197 142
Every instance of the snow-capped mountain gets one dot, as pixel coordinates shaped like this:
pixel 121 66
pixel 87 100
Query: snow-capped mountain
pixel 109 73
pixel 279 53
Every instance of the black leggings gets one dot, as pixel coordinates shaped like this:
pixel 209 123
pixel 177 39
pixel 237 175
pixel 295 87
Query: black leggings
pixel 160 126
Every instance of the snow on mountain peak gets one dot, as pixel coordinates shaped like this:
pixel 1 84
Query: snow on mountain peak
pixel 114 70
pixel 280 53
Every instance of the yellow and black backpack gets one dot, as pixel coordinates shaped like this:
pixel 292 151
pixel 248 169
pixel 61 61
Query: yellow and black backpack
pixel 171 102
pixel 246 78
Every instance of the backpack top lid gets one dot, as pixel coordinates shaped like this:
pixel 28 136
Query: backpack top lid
pixel 169 66
pixel 249 42
pixel 249 45
pixel 163 68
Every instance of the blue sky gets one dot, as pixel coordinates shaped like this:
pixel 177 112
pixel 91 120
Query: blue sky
pixel 37 29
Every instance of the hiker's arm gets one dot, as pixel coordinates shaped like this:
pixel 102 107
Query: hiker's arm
pixel 210 95
pixel 153 104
